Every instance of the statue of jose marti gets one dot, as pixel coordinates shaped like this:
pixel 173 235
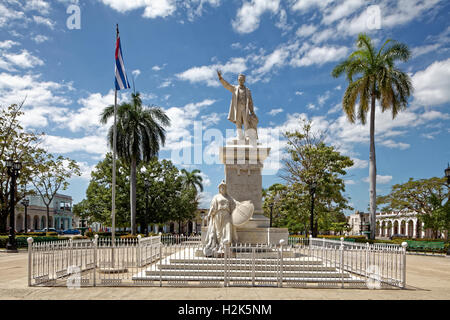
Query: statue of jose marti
pixel 241 108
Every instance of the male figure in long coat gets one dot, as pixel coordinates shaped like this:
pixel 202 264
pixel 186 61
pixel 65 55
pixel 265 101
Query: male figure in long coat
pixel 241 108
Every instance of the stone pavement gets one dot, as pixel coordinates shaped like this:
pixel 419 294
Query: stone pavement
pixel 427 278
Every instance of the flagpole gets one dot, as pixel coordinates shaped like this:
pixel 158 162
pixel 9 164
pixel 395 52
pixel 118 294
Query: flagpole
pixel 113 208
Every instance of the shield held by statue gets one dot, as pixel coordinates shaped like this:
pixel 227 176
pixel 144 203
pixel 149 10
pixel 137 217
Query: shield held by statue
pixel 242 213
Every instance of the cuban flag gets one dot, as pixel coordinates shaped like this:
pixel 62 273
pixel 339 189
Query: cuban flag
pixel 121 76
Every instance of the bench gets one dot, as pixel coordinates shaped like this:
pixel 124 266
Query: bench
pixel 432 246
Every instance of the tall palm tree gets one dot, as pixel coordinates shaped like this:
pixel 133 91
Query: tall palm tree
pixel 140 133
pixel 373 76
pixel 192 179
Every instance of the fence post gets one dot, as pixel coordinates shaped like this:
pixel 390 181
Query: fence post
pixel 280 276
pixel 138 253
pixel 226 256
pixel 70 253
pixel 404 245
pixel 160 262
pixel 367 262
pixel 30 256
pixel 253 266
pixel 95 241
pixel 341 260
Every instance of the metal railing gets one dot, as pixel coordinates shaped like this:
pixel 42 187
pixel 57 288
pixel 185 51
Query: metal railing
pixel 180 261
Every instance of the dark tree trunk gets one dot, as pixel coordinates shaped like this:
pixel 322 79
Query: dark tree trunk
pixel 133 195
pixel 48 218
pixel 3 218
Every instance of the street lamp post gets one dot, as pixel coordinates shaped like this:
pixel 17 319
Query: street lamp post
pixel 312 192
pixel 26 203
pixel 275 200
pixel 447 173
pixel 13 172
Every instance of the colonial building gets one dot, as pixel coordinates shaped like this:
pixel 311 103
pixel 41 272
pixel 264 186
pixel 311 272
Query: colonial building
pixel 61 216
pixel 389 224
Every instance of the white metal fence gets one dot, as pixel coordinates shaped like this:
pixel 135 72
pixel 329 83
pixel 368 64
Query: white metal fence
pixel 179 261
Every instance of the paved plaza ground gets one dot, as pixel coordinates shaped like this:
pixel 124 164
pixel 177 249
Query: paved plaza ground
pixel 428 277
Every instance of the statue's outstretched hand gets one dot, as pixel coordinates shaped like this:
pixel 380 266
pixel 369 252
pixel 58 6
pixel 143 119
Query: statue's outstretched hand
pixel 219 74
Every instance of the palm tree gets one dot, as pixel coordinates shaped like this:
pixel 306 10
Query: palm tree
pixel 373 76
pixel 140 133
pixel 192 179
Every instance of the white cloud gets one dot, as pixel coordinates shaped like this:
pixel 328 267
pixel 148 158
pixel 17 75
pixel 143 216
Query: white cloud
pixel 162 8
pixel 276 59
pixel 7 15
pixel 323 98
pixel 38 5
pixel 359 164
pixel 274 112
pixel 42 97
pixel 195 8
pixel 320 55
pixel 299 93
pixel 159 8
pixel 305 5
pixel 179 134
pixel 249 15
pixel 44 21
pixel 24 60
pixel 136 73
pixel 207 74
pixel 341 10
pixel 95 144
pixel 431 86
pixel 335 109
pixel 166 83
pixel 40 38
pixel 306 30
pixel 8 44
pixel 380 179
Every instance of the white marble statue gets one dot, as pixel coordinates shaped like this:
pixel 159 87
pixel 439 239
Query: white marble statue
pixel 241 108
pixel 220 226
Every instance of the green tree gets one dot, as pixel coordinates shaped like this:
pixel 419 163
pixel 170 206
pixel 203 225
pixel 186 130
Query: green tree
pixel 140 133
pixel 192 179
pixel 19 145
pixel 373 76
pixel 51 176
pixel 428 197
pixel 312 161
pixel 99 196
pixel 168 199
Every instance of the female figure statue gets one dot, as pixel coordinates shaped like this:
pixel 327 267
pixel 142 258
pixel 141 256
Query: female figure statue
pixel 220 226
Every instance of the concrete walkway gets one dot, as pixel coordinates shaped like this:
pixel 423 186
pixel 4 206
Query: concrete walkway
pixel 427 278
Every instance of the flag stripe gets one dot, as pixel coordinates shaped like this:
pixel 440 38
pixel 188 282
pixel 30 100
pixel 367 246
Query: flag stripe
pixel 121 76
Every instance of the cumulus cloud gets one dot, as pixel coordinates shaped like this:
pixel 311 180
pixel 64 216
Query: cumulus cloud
pixel 320 55
pixel 249 15
pixel 431 86
pixel 23 60
pixel 207 74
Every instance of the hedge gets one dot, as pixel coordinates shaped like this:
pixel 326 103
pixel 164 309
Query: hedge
pixel 21 241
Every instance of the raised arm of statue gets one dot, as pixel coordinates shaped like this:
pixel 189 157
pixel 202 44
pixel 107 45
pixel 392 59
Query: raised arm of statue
pixel 225 84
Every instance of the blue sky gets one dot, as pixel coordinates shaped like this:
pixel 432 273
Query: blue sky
pixel 287 49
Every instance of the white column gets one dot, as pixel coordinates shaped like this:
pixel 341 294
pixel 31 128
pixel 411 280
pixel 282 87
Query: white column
pixel 414 235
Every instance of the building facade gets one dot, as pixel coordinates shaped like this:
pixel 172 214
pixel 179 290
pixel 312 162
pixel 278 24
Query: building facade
pixel 391 223
pixel 61 216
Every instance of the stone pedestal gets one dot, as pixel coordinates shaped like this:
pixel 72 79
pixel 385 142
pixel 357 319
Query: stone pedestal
pixel 243 161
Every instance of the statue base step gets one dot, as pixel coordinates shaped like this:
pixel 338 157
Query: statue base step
pixel 257 235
